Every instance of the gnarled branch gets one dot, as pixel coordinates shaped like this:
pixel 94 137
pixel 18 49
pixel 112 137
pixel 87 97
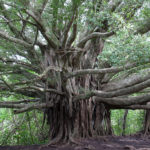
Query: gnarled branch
pixel 20 101
pixel 119 101
pixel 94 35
pixel 129 81
pixel 124 91
pixel 98 71
pixel 15 40
pixel 33 106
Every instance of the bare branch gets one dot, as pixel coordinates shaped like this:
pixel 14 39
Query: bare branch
pixel 124 91
pixel 93 35
pixel 98 71
pixel 11 60
pixel 25 107
pixel 33 106
pixel 106 95
pixel 5 105
pixel 36 36
pixel 128 81
pixel 65 34
pixel 125 101
pixel 9 87
pixel 8 21
pixel 24 23
pixel 15 40
pixel 42 28
pixel 43 6
pixel 40 89
pixel 133 107
pixel 72 36
pixel 21 101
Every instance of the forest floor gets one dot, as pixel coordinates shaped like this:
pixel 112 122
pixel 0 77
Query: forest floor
pixel 134 142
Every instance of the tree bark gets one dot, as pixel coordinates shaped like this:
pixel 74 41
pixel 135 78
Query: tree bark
pixel 124 122
pixel 70 120
pixel 147 123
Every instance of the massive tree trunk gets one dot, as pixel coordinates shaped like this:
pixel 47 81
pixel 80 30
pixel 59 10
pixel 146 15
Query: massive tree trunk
pixel 70 120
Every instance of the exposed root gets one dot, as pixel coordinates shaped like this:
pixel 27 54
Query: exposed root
pixel 47 145
pixel 51 144
pixel 79 145
pixel 54 143
pixel 75 142
pixel 88 147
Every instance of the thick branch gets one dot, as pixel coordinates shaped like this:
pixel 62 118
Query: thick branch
pixel 25 107
pixel 93 35
pixel 98 71
pixel 72 36
pixel 11 60
pixel 15 40
pixel 9 21
pixel 146 107
pixel 125 101
pixel 40 89
pixel 129 81
pixel 124 91
pixel 133 107
pixel 33 106
pixel 6 105
pixel 20 101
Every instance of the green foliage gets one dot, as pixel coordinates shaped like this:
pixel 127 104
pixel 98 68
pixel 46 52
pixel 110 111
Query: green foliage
pixel 134 121
pixel 23 129
pixel 126 47
pixel 116 121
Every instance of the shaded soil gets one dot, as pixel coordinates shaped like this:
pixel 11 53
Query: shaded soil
pixel 136 142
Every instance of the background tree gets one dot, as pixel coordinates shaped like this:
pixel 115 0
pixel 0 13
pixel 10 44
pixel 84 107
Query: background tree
pixel 50 48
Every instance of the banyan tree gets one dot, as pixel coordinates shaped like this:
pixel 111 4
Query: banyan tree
pixel 50 53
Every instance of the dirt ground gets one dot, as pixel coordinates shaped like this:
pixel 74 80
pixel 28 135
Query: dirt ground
pixel 136 142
